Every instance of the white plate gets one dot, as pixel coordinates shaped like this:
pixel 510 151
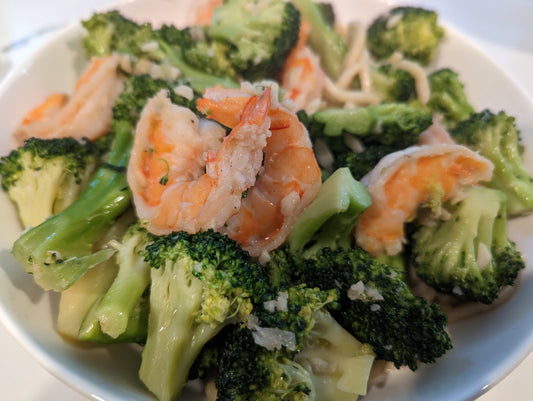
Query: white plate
pixel 485 348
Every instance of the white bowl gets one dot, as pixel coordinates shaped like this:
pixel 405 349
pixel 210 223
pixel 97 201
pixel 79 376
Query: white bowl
pixel 486 347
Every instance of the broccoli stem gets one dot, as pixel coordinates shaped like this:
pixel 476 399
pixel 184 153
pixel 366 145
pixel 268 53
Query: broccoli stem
pixel 175 338
pixel 323 39
pixel 60 250
pixel 132 279
pixel 330 218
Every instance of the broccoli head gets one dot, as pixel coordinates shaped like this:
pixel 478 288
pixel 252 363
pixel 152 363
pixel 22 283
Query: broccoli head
pixel 448 97
pixel 54 171
pixel 397 125
pixel 392 84
pixel 199 284
pixel 110 32
pixel 468 254
pixel 361 163
pixel 376 305
pixel 260 33
pixel 411 31
pixel 251 372
pixel 496 137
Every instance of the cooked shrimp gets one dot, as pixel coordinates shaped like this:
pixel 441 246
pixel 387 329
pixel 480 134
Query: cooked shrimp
pixel 403 181
pixel 302 77
pixel 204 11
pixel 288 181
pixel 436 133
pixel 185 174
pixel 87 113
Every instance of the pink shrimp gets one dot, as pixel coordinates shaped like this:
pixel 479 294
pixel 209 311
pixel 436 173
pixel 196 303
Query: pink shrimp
pixel 204 11
pixel 302 78
pixel 288 181
pixel 87 113
pixel 185 174
pixel 403 181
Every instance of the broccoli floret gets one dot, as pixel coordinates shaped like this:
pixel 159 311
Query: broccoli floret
pixel 392 84
pixel 323 39
pixel 210 56
pixel 496 137
pixel 261 34
pixel 199 284
pixel 60 250
pixel 376 305
pixel 397 125
pixel 250 372
pixel 112 32
pixel 361 163
pixel 261 362
pixel 344 363
pixel 54 171
pixel 448 97
pixel 469 254
pixel 412 31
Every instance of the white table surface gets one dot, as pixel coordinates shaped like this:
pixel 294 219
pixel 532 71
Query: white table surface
pixel 25 24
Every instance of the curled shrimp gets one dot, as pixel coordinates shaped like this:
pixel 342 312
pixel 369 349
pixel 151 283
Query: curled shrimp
pixel 185 173
pixel 405 180
pixel 302 78
pixel 87 113
pixel 287 182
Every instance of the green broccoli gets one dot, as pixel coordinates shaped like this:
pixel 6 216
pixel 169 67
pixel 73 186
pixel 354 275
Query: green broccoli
pixel 77 318
pixel 361 163
pixel 260 34
pixel 468 254
pixel 251 372
pixel 376 305
pixel 448 97
pixel 496 137
pixel 397 125
pixel 210 56
pixel 329 220
pixel 54 171
pixel 199 284
pixel 328 12
pixel 112 32
pixel 133 278
pixel 60 250
pixel 392 84
pixel 412 31
pixel 344 363
pixel 275 356
pixel 323 39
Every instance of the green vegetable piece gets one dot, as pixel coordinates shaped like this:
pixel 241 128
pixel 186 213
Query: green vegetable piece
pixel 469 254
pixel 412 31
pixel 330 218
pixel 329 46
pixel 496 137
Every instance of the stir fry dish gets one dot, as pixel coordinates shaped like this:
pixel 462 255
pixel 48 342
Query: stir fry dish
pixel 281 205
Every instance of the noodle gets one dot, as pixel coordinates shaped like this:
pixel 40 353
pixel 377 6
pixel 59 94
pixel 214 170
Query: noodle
pixel 421 80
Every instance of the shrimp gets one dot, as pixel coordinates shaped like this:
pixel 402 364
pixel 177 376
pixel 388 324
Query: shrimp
pixel 288 181
pixel 302 76
pixel 436 133
pixel 204 11
pixel 403 181
pixel 185 174
pixel 87 113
